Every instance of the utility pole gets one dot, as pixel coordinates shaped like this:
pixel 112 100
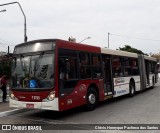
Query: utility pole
pixel 159 56
pixel 8 50
pixel 25 29
pixel 108 39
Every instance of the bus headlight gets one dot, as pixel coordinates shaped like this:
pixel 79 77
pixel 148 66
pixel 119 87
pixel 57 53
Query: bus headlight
pixel 50 97
pixel 12 96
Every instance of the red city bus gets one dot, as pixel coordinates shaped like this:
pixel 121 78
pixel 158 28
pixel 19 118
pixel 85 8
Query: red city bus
pixel 54 74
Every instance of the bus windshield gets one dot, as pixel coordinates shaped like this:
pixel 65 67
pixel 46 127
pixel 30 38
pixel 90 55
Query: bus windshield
pixel 33 71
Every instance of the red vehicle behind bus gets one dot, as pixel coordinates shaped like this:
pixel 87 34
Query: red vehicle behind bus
pixel 54 74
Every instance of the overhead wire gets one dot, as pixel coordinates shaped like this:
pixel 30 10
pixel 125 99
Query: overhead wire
pixel 5 20
pixel 3 43
pixel 146 39
pixel 7 42
pixel 11 28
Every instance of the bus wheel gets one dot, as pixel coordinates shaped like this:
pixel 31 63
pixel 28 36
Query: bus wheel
pixel 92 99
pixel 131 89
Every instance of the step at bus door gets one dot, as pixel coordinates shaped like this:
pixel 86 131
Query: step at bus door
pixel 107 75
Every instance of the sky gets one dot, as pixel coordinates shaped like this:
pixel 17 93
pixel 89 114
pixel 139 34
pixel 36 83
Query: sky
pixel 129 22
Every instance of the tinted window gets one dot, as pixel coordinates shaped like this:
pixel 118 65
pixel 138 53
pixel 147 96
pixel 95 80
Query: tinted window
pixel 85 67
pixel 84 58
pixel 134 66
pixel 96 66
pixel 68 75
pixel 116 64
pixel 67 64
pixel 127 66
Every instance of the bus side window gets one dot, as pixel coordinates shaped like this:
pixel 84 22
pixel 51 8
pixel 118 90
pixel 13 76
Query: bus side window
pixel 117 67
pixel 72 68
pixel 96 66
pixel 134 66
pixel 85 65
pixel 127 66
pixel 67 68
pixel 82 72
pixel 62 68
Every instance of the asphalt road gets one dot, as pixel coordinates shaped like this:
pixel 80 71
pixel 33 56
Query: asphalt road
pixel 143 108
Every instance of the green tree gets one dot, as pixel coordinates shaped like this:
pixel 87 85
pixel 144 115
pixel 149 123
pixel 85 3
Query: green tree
pixel 131 49
pixel 5 66
pixel 157 56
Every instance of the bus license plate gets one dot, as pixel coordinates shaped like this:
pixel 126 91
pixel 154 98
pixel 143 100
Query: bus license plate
pixel 29 105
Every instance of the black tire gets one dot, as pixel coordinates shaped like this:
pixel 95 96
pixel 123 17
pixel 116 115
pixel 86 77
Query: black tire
pixel 92 99
pixel 131 89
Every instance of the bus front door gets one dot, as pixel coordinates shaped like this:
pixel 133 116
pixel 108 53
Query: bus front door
pixel 107 75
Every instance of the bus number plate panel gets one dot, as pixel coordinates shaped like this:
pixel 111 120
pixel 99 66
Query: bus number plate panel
pixel 29 105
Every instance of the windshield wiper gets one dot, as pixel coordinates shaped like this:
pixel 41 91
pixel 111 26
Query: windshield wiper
pixel 22 62
pixel 36 65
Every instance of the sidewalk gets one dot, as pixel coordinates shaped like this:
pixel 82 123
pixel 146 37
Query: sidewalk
pixel 5 110
pixel 4 106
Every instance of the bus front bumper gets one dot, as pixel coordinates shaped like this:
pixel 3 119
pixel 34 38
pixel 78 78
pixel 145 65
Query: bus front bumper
pixel 49 105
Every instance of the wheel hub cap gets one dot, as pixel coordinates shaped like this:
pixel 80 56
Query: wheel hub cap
pixel 132 91
pixel 92 98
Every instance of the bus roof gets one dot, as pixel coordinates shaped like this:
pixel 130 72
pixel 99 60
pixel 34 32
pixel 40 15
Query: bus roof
pixel 118 52
pixel 89 48
pixel 150 58
pixel 35 41
pixel 78 46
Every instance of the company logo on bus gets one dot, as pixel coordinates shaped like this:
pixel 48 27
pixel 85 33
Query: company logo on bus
pixel 119 80
pixel 22 97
